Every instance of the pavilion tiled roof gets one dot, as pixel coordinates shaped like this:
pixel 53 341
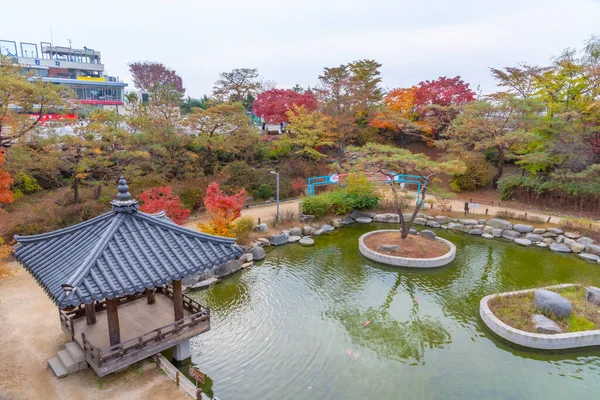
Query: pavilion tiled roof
pixel 121 252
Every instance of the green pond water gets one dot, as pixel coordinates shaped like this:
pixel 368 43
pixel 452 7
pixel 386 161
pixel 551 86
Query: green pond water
pixel 292 327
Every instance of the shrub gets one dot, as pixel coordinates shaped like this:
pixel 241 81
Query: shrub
pixel 223 210
pixel 26 183
pixel 476 176
pixel 299 185
pixel 264 191
pixel 243 228
pixel 338 202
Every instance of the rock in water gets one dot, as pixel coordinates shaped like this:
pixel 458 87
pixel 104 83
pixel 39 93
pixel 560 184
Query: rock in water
pixel 560 248
pixel 294 239
pixel 523 242
pixel 499 224
pixel 511 235
pixel 428 234
pixel 347 221
pixel 279 239
pixel 522 228
pixel 258 253
pixel 296 231
pixel 306 242
pixel 552 303
pixel 577 247
pixel 308 230
pixel 455 226
pixel 534 237
pixel 363 220
pixel 327 228
pixel 358 214
pixel 593 249
pixel 496 232
pixel 487 236
pixel 590 257
pixel 389 218
pixel 592 294
pixel 475 232
pixel 227 268
pixel 388 247
pixel 544 324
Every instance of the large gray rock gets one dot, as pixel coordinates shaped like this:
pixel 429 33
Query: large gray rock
pixel 569 242
pixel 388 247
pixel 592 248
pixel 482 221
pixel 294 239
pixel 544 324
pixel 227 268
pixel 499 224
pixel 572 235
pixel 590 257
pixel 428 234
pixel 511 235
pixel 307 242
pixel 420 221
pixel 523 242
pixel 535 238
pixel 560 239
pixel 191 279
pixel 468 221
pixel 478 226
pixel 487 229
pixel 552 303
pixel 539 231
pixel 412 231
pixel 542 245
pixel 556 231
pixel 577 247
pixel 433 224
pixel 592 294
pixel 487 236
pixel 258 253
pixel 308 230
pixel 549 235
pixel 475 232
pixel 585 241
pixel 262 228
pixel 296 231
pixel 466 228
pixel 388 218
pixel 497 232
pixel 455 226
pixel 263 242
pixel 548 241
pixel 442 219
pixel 347 221
pixel 358 214
pixel 522 228
pixel 327 228
pixel 560 248
pixel 318 232
pixel 280 239
pixel 363 220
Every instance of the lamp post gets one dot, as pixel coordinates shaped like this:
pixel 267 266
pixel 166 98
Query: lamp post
pixel 277 175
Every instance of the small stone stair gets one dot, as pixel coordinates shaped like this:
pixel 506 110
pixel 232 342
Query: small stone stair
pixel 68 361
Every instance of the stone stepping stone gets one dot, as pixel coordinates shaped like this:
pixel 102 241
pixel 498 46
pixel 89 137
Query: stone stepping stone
pixel 560 248
pixel 364 220
pixel 487 236
pixel 590 257
pixel 327 228
pixel 544 324
pixel 294 239
pixel 306 242
pixel 523 242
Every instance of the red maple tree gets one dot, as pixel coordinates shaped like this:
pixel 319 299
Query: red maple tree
pixel 443 92
pixel 159 199
pixel 6 196
pixel 273 104
pixel 223 210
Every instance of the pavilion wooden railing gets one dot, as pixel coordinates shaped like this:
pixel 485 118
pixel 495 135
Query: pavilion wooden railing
pixel 101 357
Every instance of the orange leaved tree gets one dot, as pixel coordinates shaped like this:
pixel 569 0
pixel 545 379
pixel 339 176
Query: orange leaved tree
pixel 160 199
pixel 6 196
pixel 223 210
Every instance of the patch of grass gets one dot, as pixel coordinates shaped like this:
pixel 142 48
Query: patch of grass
pixel 516 311
pixel 100 384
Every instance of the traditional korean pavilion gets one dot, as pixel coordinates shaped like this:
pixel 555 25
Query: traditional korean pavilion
pixel 116 280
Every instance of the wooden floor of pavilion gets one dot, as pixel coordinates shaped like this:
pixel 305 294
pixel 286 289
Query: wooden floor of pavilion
pixel 136 318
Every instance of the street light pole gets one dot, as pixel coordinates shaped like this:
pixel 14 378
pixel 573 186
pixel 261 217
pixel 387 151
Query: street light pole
pixel 277 176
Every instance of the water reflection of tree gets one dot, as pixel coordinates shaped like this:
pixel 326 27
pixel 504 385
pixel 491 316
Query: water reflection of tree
pixel 390 338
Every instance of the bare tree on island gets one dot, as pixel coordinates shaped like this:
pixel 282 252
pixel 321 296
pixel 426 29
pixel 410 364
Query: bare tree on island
pixel 392 161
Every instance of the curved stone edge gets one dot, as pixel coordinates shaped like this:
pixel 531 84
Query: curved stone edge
pixel 405 261
pixel 540 341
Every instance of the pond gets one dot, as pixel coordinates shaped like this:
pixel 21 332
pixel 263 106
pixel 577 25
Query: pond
pixel 293 327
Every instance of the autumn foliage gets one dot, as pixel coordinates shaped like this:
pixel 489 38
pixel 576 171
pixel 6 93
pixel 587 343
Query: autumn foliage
pixel 273 104
pixel 160 199
pixel 223 209
pixel 6 196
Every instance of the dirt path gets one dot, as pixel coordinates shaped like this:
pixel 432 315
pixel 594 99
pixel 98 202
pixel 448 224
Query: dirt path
pixel 30 334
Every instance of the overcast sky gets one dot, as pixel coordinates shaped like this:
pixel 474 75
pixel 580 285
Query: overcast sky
pixel 292 41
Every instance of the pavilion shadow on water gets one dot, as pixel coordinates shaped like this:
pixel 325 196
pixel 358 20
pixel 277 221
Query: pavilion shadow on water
pixel 117 279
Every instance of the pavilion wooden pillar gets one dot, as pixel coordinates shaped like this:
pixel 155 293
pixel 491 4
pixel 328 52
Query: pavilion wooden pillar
pixel 178 300
pixel 90 313
pixel 114 332
pixel 151 296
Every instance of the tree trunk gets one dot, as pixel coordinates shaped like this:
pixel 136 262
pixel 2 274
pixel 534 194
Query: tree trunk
pixel 76 190
pixel 500 167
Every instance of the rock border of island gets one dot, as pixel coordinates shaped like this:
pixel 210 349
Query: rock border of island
pixel 408 262
pixel 538 341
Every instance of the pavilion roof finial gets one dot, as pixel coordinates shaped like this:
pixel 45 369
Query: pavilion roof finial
pixel 124 203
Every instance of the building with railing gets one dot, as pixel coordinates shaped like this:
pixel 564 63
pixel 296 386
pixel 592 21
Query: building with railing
pixel 81 70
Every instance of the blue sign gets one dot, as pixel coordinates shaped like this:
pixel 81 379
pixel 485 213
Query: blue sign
pixel 37 62
pixel 57 63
